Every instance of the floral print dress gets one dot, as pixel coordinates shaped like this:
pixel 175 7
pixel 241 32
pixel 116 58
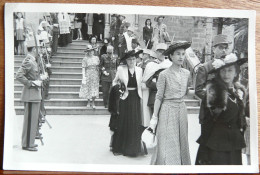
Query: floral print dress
pixel 91 88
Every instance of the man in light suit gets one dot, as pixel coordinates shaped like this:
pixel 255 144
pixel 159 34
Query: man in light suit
pixel 220 49
pixel 28 75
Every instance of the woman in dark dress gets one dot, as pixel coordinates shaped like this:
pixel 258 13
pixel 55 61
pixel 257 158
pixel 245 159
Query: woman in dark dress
pixel 221 139
pixel 148 33
pixel 127 138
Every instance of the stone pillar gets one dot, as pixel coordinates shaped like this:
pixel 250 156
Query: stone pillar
pixel 208 45
pixel 136 21
pixel 107 25
pixel 90 23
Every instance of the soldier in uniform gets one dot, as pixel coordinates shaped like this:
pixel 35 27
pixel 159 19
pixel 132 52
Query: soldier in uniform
pixel 108 65
pixel 28 75
pixel 220 48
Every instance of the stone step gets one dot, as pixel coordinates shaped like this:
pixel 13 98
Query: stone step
pixel 66 64
pixel 71 49
pixel 83 102
pixel 64 102
pixel 60 69
pixel 67 58
pixel 66 75
pixel 54 88
pixel 100 110
pixel 58 81
pixel 69 53
pixel 58 95
pixel 18 63
pixel 57 110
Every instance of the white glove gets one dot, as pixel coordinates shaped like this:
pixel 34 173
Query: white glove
pixel 37 83
pixel 240 94
pixel 154 80
pixel 153 122
pixel 106 73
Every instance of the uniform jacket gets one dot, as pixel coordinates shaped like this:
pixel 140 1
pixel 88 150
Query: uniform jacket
pixel 200 84
pixel 109 65
pixel 28 72
pixel 122 77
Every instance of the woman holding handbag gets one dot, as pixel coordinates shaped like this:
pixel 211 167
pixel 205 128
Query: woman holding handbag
pixel 90 77
pixel 169 119
pixel 127 140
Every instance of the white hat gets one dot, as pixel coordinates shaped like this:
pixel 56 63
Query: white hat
pixel 161 46
pixel 131 29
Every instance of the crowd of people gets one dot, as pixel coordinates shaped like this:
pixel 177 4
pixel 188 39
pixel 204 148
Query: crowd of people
pixel 146 86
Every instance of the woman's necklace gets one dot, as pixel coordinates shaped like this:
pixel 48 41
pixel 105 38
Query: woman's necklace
pixel 132 71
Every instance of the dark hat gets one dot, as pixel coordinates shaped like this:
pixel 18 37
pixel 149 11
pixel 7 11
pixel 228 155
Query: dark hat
pixel 89 48
pixel 113 15
pixel 177 45
pixel 227 61
pixel 131 53
pixel 135 41
pixel 92 36
pixel 220 39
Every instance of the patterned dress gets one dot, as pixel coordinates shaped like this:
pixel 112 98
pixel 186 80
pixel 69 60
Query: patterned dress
pixel 172 129
pixel 91 88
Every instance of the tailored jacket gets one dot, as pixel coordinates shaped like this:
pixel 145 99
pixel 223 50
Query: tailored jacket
pixel 122 77
pixel 109 65
pixel 221 132
pixel 28 72
pixel 200 84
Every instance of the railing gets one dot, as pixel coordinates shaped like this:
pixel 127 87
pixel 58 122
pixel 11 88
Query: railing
pixel 191 63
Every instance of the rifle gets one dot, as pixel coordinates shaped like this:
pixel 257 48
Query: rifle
pixel 44 75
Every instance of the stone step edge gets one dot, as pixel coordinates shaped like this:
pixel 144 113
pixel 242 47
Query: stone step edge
pixel 55 67
pixel 98 99
pixel 64 100
pixel 84 107
pixel 53 92
pixel 72 108
pixel 55 85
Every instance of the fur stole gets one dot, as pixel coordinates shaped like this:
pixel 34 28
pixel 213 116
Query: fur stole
pixel 217 99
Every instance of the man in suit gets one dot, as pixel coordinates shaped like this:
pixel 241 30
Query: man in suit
pixel 28 75
pixel 108 65
pixel 220 49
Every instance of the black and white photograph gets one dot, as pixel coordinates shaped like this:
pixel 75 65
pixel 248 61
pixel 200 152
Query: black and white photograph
pixel 119 88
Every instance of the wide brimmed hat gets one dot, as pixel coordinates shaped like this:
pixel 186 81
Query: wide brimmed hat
pixel 153 54
pixel 131 29
pixel 89 48
pixel 156 18
pixel 131 53
pixel 161 46
pixel 227 61
pixel 177 45
pixel 220 39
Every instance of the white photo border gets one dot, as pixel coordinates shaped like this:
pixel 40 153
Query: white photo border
pixel 10 8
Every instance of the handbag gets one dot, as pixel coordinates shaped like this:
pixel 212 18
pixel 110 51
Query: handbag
pixel 149 138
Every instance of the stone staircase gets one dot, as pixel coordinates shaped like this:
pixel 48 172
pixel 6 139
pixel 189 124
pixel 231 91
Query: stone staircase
pixel 65 83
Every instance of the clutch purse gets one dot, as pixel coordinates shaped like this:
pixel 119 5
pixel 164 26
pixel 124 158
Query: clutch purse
pixel 149 138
